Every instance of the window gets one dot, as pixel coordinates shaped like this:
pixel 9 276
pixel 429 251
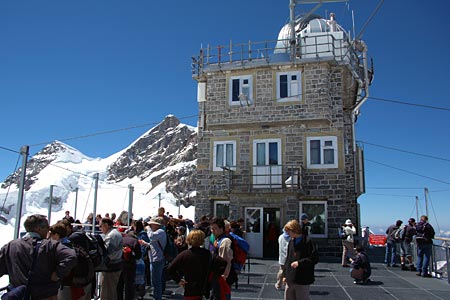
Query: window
pixel 289 86
pixel 267 163
pixel 224 155
pixel 322 152
pixel 241 90
pixel 317 215
pixel 222 209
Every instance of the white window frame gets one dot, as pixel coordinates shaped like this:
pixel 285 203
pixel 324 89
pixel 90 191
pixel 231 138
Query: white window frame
pixel 325 218
pixel 266 142
pixel 292 94
pixel 267 175
pixel 249 85
pixel 221 202
pixel 323 147
pixel 224 143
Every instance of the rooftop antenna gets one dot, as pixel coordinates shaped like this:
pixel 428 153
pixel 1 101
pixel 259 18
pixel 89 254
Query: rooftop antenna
pixel 292 4
pixel 353 23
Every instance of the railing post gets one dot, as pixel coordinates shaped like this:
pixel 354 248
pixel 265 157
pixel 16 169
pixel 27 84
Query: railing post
pixel 447 249
pixel 231 52
pixel 433 259
pixel 270 177
pixel 249 51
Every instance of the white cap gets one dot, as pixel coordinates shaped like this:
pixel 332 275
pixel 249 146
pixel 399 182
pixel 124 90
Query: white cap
pixel 348 222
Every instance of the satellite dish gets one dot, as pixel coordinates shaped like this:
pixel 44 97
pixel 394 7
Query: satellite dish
pixel 3 220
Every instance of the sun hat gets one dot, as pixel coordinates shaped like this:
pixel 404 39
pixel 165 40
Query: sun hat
pixel 348 222
pixel 155 221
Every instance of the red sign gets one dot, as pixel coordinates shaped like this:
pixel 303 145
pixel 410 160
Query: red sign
pixel 377 240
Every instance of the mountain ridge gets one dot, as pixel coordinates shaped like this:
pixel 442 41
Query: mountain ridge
pixel 163 157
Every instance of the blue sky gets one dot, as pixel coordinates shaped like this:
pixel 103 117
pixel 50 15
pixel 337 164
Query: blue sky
pixel 74 68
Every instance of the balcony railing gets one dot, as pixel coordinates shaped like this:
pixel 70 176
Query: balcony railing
pixel 264 178
pixel 312 48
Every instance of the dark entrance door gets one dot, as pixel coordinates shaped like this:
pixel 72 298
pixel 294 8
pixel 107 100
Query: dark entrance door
pixel 272 230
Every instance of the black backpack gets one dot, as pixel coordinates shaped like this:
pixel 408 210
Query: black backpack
pixel 170 250
pixel 94 245
pixel 97 251
pixel 424 233
pixel 83 272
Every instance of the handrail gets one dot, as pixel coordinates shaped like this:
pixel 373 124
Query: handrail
pixel 285 177
pixel 323 46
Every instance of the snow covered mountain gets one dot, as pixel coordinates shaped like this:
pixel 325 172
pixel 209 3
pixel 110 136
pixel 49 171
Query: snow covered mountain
pixel 160 165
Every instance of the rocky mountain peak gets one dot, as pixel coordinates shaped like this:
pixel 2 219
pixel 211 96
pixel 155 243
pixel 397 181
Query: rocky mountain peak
pixel 166 145
pixel 37 163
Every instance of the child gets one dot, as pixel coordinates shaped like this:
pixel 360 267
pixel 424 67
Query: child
pixel 360 270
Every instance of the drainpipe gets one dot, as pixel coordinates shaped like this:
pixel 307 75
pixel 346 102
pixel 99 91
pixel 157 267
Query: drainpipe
pixel 363 46
pixel 355 111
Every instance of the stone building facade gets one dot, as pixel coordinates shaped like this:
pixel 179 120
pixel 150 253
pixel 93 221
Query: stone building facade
pixel 276 139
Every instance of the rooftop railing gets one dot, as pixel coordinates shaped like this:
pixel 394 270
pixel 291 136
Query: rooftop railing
pixel 251 54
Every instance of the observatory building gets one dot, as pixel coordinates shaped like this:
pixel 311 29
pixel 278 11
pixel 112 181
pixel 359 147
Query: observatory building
pixel 276 131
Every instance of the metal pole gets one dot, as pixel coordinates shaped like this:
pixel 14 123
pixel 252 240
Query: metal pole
pixel 426 202
pixel 292 26
pixel 448 266
pixel 50 200
pixel 417 209
pixel 159 204
pixel 95 202
pixel 24 151
pixel 76 204
pixel 130 203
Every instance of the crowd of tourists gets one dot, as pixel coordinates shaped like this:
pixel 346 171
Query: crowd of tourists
pixel 119 257
pixel 400 240
pixel 401 237
pixel 113 257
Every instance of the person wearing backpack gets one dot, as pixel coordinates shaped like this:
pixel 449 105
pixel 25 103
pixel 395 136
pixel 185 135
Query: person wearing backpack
pixel 406 250
pixel 76 285
pixel 223 248
pixel 158 241
pixel 392 243
pixel 51 261
pixel 424 239
pixel 131 253
pixel 114 248
pixel 347 242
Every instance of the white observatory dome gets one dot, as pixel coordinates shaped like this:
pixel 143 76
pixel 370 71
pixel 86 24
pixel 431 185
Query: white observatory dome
pixel 313 24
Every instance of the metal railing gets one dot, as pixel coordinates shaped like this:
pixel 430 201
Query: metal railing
pixel 264 178
pixel 318 47
pixel 439 265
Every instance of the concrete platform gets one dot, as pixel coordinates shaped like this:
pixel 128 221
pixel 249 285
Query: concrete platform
pixel 333 282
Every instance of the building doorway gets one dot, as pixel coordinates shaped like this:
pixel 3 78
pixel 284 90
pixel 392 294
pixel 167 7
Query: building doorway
pixel 271 232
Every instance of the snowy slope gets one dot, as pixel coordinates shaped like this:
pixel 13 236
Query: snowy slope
pixel 160 166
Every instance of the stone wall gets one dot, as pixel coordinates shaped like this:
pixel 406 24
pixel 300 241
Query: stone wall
pixel 320 112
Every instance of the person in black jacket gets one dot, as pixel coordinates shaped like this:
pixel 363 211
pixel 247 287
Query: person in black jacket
pixel 424 239
pixel 301 259
pixel 53 261
pixel 190 267
pixel 132 252
pixel 361 269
